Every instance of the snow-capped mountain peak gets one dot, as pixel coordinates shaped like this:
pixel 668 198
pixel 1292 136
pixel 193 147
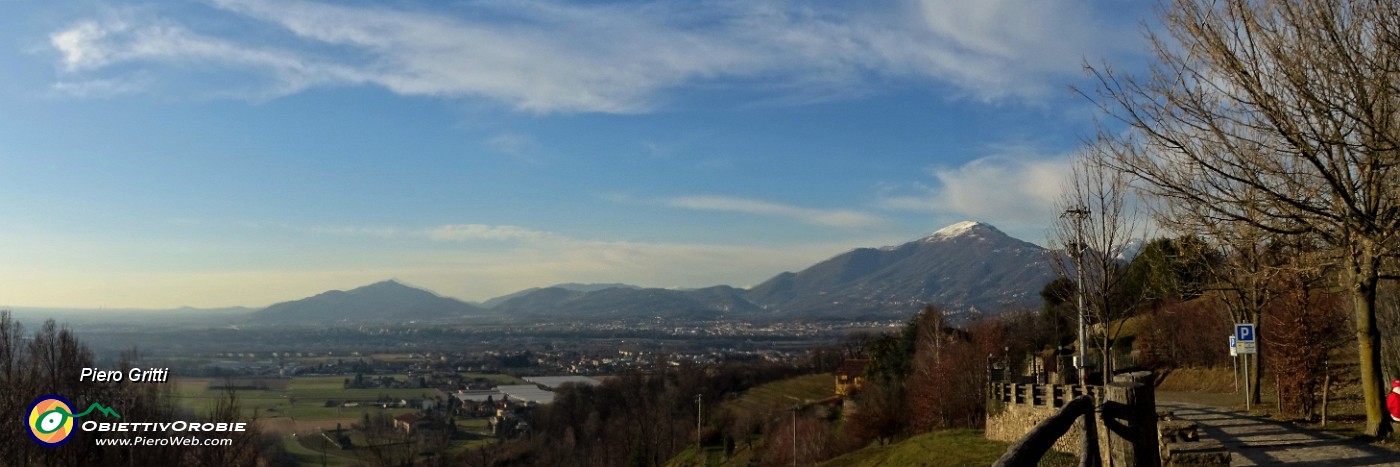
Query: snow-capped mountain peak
pixel 964 266
pixel 962 229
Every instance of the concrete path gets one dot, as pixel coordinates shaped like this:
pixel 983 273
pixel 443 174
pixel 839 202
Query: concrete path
pixel 1261 441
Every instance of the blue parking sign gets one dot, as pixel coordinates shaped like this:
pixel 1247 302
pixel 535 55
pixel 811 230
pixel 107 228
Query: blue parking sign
pixel 1244 332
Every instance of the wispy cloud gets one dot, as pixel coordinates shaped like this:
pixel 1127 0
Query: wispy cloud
pixel 98 88
pixel 517 146
pixel 1014 187
pixel 469 232
pixel 440 233
pixel 543 56
pixel 351 231
pixel 93 45
pixel 842 218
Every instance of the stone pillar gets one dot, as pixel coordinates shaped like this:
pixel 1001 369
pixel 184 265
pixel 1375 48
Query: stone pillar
pixel 1130 415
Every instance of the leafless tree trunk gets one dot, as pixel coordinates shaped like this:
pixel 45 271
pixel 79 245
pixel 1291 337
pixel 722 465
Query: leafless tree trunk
pixel 1288 109
pixel 1388 321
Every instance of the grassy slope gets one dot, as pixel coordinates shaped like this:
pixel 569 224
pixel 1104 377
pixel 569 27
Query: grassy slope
pixel 309 456
pixel 939 448
pixel 944 448
pixel 771 398
pixel 780 395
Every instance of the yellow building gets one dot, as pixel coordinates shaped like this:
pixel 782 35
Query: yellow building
pixel 850 377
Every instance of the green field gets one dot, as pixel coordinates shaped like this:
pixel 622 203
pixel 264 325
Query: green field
pixel 781 395
pixel 939 448
pixel 314 456
pixel 299 412
pixel 304 399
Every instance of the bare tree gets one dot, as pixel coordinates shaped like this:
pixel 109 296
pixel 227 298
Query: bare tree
pixel 1388 309
pixel 1099 225
pixel 1247 262
pixel 13 379
pixel 1281 114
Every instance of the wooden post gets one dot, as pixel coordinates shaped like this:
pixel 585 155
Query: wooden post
pixel 1130 414
pixel 1089 455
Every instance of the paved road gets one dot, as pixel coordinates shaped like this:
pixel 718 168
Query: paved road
pixel 1261 441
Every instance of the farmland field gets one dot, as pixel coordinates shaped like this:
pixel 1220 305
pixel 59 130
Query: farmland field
pixel 303 400
pixel 299 412
pixel 779 395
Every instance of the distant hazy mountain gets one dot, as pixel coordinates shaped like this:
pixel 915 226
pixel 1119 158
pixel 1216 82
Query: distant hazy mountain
pixel 87 316
pixel 962 267
pixel 965 266
pixel 569 286
pixel 388 301
pixel 557 303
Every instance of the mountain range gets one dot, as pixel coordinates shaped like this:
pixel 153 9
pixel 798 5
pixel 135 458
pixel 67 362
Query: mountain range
pixel 382 301
pixel 964 267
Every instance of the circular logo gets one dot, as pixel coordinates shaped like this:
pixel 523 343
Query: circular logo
pixel 51 420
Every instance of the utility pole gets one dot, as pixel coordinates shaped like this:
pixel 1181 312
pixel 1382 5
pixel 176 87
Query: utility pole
pixel 699 412
pixel 1078 213
pixel 794 435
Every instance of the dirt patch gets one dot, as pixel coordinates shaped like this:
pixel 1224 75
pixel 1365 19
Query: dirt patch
pixel 278 425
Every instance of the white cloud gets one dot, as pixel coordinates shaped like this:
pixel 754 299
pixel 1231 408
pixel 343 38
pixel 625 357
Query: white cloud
pixel 98 88
pixel 543 56
pixel 518 146
pixel 350 231
pixel 470 232
pixel 91 45
pixel 441 233
pixel 1045 35
pixel 79 44
pixel 842 218
pixel 1014 188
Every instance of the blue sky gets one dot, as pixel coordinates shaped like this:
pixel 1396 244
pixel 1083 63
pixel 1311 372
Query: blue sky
pixel 244 152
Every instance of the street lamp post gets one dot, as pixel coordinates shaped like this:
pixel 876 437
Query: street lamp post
pixel 1078 214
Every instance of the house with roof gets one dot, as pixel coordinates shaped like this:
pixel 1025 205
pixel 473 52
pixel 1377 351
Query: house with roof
pixel 850 376
pixel 407 422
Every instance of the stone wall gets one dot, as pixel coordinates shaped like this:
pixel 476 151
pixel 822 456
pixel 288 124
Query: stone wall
pixel 1013 409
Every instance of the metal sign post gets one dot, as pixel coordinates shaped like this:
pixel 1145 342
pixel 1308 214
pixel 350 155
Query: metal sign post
pixel 1234 365
pixel 1246 383
pixel 1245 341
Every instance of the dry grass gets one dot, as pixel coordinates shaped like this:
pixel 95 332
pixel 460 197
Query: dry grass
pixel 778 396
pixel 938 448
